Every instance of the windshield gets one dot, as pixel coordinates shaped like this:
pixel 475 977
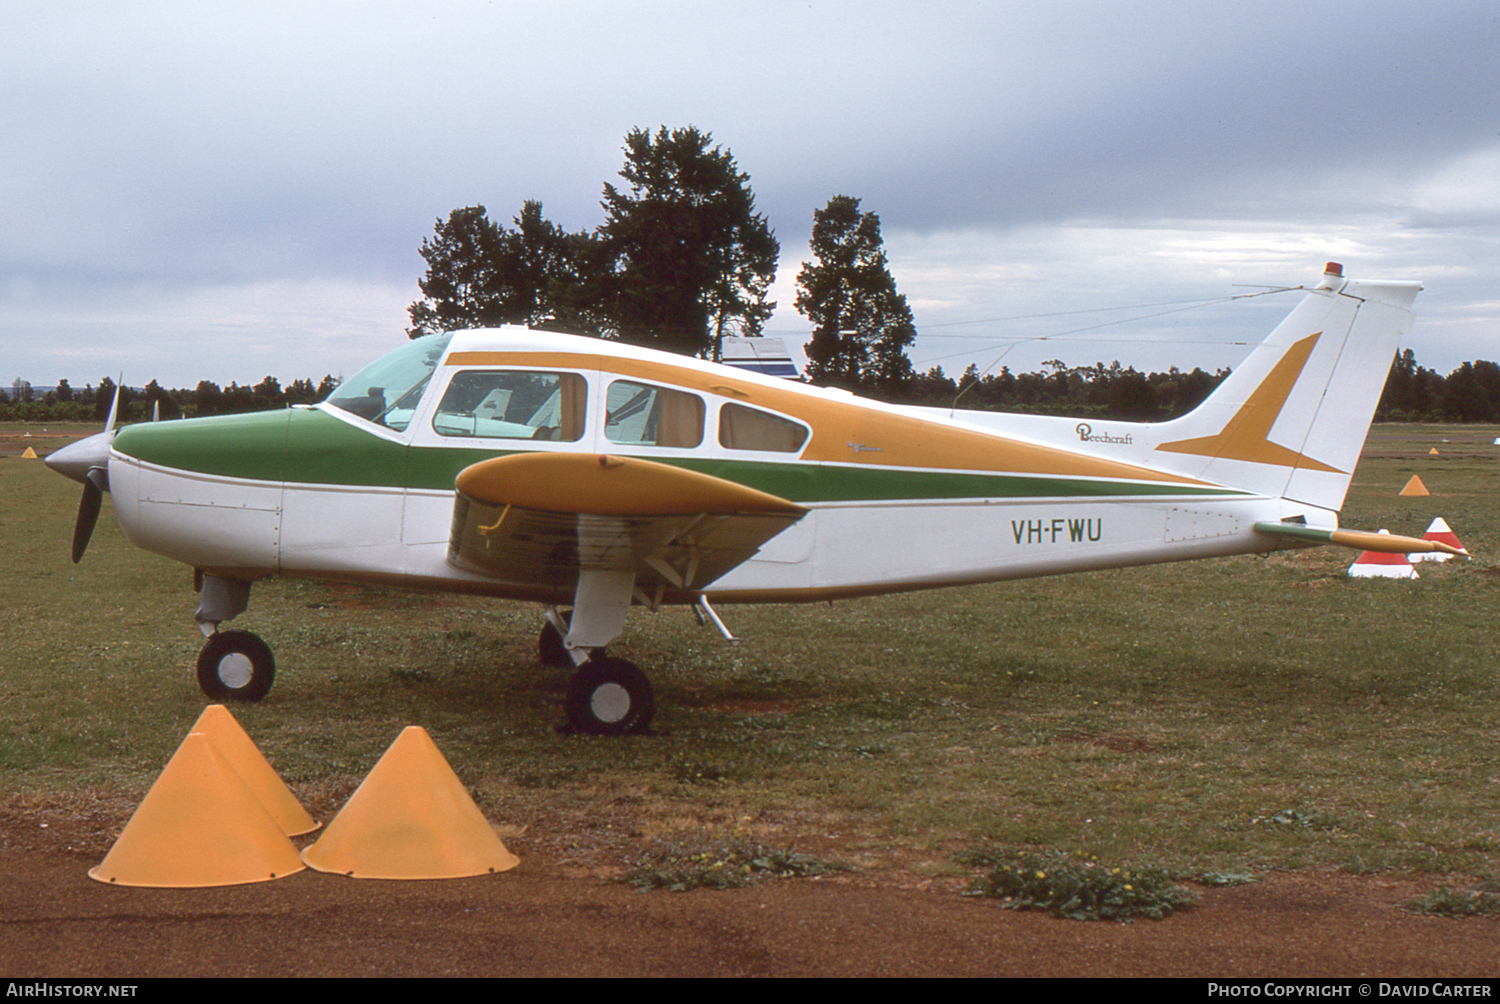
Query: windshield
pixel 387 391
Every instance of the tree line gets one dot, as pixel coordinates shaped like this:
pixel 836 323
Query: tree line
pixel 64 403
pixel 1413 393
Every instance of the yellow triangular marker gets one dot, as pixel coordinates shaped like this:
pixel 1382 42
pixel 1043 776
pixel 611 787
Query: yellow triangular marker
pixel 1415 487
pixel 1434 452
pixel 236 747
pixel 410 819
pixel 30 454
pixel 199 825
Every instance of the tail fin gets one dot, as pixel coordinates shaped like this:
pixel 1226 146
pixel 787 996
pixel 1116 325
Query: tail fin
pixel 1291 420
pixel 760 354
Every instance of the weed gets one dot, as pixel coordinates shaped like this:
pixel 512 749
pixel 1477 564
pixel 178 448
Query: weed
pixel 1481 901
pixel 1079 889
pixel 681 866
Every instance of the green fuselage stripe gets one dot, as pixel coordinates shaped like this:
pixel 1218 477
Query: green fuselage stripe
pixel 309 447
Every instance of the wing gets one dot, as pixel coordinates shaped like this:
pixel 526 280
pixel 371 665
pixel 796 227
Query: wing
pixel 540 519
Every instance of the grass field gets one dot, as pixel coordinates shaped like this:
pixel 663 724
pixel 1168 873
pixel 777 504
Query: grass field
pixel 1234 715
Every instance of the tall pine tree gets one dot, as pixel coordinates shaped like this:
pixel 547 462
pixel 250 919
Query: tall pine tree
pixel 690 259
pixel 861 325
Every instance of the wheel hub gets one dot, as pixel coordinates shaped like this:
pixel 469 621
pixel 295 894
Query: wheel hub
pixel 610 702
pixel 235 670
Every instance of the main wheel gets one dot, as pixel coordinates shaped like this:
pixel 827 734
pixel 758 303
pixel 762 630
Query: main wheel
pixel 610 697
pixel 550 647
pixel 236 666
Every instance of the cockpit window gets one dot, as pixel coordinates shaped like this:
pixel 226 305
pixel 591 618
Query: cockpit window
pixel 387 391
pixel 643 415
pixel 514 404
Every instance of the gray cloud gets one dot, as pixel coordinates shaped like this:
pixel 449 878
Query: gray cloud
pixel 167 165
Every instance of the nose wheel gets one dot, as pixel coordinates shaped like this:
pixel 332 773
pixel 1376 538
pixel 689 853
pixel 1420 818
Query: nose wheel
pixel 610 697
pixel 236 666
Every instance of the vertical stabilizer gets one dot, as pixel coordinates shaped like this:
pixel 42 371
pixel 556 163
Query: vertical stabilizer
pixel 1292 419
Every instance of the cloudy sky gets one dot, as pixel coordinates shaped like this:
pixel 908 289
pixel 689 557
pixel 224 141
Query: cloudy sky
pixel 227 191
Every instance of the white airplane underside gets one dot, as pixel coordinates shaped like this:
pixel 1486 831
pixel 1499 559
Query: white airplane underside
pixel 592 475
pixel 245 529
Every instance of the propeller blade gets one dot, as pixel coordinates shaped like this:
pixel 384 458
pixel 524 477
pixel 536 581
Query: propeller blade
pixel 95 484
pixel 114 408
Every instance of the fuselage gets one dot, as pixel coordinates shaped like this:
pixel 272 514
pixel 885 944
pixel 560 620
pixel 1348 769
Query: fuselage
pixel 362 488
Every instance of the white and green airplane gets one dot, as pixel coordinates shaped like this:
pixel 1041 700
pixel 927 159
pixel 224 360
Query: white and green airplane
pixel 591 476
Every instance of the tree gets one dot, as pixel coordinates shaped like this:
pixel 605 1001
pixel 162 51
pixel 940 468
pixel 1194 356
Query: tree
pixel 480 274
pixel 104 399
pixel 208 399
pixel 688 258
pixel 861 325
pixel 1411 391
pixel 533 265
pixel 267 394
pixel 158 402
pixel 458 288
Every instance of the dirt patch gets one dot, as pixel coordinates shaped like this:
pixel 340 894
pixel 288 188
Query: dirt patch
pixel 558 915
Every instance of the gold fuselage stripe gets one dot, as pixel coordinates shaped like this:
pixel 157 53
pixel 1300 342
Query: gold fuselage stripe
pixel 850 431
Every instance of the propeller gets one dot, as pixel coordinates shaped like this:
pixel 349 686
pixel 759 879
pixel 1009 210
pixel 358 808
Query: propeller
pixel 87 461
pixel 95 484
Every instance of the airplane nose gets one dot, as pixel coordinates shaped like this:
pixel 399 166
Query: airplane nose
pixel 75 460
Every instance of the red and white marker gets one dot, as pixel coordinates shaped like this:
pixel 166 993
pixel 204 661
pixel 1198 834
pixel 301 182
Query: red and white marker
pixel 1382 564
pixel 1439 531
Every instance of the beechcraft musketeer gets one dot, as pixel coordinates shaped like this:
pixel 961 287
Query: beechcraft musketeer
pixel 591 476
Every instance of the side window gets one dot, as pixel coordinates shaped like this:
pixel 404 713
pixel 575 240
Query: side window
pixel 742 428
pixel 644 415
pixel 514 404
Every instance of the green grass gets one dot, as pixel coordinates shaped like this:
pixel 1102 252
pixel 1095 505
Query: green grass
pixel 1229 716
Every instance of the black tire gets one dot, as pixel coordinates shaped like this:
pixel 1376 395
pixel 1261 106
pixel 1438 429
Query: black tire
pixel 549 646
pixel 236 666
pixel 610 697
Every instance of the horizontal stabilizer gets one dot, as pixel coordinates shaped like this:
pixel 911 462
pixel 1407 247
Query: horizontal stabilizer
pixel 1359 540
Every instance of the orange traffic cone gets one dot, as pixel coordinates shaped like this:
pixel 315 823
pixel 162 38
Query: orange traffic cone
pixel 199 825
pixel 237 748
pixel 410 819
